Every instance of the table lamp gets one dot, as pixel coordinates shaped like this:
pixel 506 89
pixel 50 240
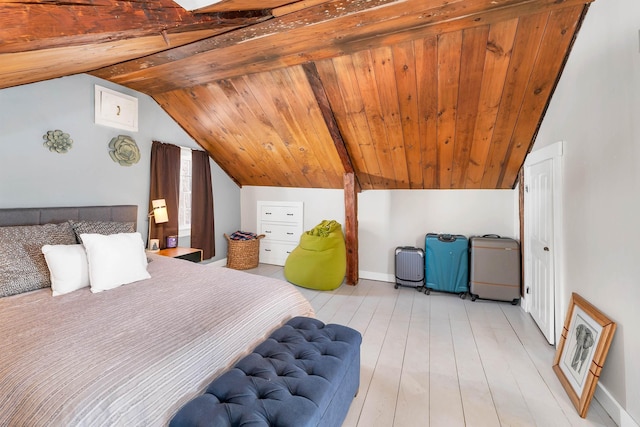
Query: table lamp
pixel 159 214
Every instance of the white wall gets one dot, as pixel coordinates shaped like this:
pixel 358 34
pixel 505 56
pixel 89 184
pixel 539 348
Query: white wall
pixel 596 111
pixel 32 176
pixel 391 218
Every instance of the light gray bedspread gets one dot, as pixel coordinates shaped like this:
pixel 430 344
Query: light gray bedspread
pixel 132 355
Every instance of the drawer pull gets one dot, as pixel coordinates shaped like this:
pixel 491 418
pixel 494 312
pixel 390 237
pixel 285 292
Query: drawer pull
pixel 267 213
pixel 267 231
pixel 289 233
pixel 289 214
pixel 267 250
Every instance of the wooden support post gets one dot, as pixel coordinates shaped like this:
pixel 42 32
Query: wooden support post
pixel 351 227
pixel 327 113
pixel 350 182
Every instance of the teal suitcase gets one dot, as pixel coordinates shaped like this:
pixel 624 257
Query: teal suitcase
pixel 447 263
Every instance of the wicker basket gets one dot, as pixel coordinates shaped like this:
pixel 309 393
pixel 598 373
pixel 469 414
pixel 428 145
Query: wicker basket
pixel 243 254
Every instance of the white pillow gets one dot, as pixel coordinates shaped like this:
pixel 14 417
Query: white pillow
pixel 68 267
pixel 115 260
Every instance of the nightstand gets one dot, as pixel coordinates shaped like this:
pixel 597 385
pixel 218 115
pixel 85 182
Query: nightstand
pixel 190 254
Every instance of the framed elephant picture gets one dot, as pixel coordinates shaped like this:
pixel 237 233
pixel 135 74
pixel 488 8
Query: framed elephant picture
pixel 582 350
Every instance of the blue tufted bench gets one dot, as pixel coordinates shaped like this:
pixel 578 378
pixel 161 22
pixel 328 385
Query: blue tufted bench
pixel 305 374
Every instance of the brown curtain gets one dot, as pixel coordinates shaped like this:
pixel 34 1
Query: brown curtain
pixel 165 184
pixel 202 231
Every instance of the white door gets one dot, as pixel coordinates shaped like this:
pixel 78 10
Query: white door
pixel 539 262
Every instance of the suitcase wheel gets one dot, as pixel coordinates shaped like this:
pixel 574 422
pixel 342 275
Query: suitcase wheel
pixel 515 301
pixel 474 297
pixel 463 295
pixel 396 286
pixel 427 291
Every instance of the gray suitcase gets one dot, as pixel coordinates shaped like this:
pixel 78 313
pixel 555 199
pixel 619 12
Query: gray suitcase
pixel 495 269
pixel 409 267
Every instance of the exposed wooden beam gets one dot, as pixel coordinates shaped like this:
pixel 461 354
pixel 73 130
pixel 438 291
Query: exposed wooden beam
pixel 327 30
pixel 36 65
pixel 313 77
pixel 351 228
pixel 30 25
pixel 240 46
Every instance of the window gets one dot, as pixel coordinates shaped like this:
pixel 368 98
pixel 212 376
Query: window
pixel 184 208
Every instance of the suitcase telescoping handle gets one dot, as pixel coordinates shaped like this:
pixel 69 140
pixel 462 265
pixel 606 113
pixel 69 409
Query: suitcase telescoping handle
pixel 493 236
pixel 446 238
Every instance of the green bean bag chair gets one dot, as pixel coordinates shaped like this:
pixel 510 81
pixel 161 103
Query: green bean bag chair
pixel 320 260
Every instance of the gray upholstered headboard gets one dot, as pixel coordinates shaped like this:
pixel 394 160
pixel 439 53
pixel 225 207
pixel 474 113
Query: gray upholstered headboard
pixel 38 216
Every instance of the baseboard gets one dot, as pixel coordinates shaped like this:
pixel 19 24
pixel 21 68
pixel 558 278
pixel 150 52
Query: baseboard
pixel 218 263
pixel 617 413
pixel 369 275
pixel 380 277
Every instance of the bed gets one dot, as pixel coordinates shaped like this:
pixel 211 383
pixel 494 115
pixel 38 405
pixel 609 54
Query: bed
pixel 134 354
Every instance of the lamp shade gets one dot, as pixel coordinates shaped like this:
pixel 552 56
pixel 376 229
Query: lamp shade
pixel 159 211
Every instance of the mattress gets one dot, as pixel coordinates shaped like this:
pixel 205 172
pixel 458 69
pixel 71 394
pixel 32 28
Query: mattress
pixel 135 354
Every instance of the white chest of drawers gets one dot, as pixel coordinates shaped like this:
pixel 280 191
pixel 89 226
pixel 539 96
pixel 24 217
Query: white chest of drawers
pixel 282 225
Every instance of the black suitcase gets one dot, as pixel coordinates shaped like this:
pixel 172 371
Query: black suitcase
pixel 409 267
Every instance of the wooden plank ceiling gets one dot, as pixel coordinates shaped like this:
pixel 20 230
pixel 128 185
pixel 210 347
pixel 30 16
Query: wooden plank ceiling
pixel 407 94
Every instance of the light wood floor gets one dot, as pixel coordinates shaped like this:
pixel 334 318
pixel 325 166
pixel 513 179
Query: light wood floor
pixel 438 360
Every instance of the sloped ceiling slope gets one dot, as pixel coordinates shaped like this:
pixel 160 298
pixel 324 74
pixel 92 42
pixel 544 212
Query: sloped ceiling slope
pixel 405 94
pixel 44 39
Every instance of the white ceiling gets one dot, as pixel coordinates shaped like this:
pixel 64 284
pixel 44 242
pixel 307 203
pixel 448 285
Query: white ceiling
pixel 195 4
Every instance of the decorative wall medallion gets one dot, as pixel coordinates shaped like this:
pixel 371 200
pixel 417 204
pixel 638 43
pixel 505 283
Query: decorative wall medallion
pixel 57 141
pixel 124 150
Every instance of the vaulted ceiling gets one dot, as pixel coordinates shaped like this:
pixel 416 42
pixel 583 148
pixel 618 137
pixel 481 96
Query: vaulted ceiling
pixel 403 93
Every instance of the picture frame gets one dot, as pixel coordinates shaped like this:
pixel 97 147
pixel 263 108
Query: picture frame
pixel 582 350
pixel 154 245
pixel 115 109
